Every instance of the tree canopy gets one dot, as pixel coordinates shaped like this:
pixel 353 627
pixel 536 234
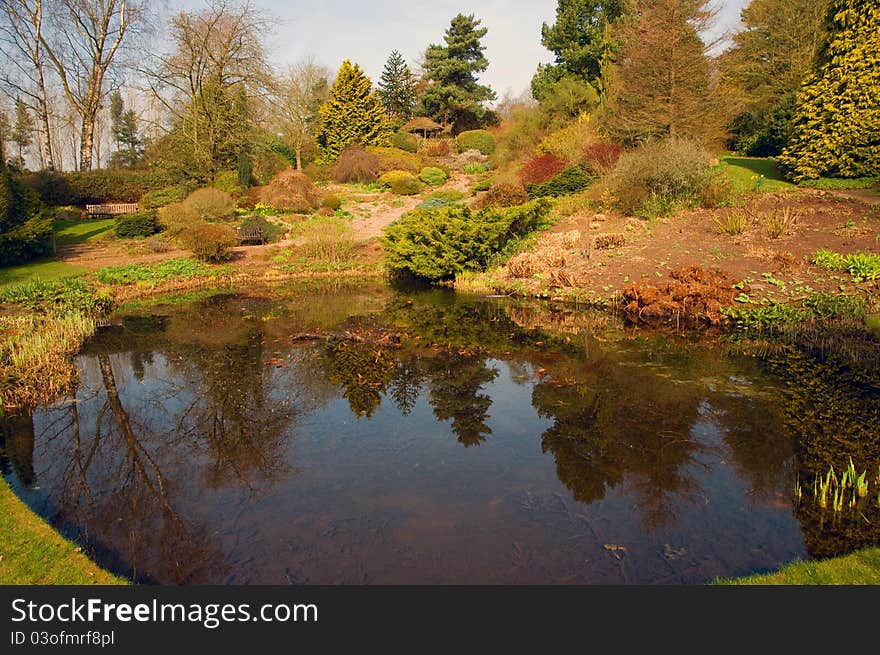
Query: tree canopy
pixel 397 87
pixel 836 121
pixel 352 115
pixel 452 94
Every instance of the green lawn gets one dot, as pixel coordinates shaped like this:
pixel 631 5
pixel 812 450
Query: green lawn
pixel 66 233
pixel 73 232
pixel 31 552
pixel 745 174
pixel 44 269
pixel 860 568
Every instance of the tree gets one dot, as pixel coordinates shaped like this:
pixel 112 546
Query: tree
pixel 581 41
pixel 770 58
pixel 216 65
pixel 299 95
pixel 5 129
pixel 397 88
pixel 452 94
pixel 836 122
pixel 22 134
pixel 83 56
pixel 124 130
pixel 21 42
pixel 661 84
pixel 352 115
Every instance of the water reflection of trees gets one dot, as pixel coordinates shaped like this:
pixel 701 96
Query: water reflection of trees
pixel 833 411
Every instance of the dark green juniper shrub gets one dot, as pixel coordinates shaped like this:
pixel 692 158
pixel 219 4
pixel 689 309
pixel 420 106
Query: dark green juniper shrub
pixel 437 244
pixel 134 226
pixel 568 182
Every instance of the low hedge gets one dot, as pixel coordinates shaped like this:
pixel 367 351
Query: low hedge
pixel 94 187
pixel 476 140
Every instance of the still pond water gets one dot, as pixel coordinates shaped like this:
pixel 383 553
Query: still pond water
pixel 368 436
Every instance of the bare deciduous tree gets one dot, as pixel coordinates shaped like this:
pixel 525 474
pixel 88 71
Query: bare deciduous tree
pixel 21 43
pixel 298 94
pixel 87 40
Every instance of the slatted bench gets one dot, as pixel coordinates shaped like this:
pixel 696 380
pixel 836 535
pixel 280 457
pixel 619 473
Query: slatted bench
pixel 112 209
pixel 251 234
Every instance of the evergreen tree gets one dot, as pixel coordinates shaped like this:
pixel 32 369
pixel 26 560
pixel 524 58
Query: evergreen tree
pixel 581 41
pixel 352 115
pixel 836 122
pixel 123 127
pixel 397 88
pixel 452 95
pixel 661 85
pixel 22 130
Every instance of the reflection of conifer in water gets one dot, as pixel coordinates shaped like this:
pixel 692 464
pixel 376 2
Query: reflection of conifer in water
pixel 456 378
pixel 406 385
pixel 584 462
pixel 362 371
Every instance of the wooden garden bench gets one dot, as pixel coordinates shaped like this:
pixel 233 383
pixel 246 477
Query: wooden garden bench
pixel 250 234
pixel 112 209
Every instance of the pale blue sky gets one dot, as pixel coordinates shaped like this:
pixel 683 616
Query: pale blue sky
pixel 366 32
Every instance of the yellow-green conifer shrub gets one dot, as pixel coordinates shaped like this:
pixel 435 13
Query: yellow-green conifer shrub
pixel 836 123
pixel 352 115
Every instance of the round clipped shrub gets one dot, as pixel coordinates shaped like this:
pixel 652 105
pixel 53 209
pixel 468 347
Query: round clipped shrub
pixel 503 195
pixel 476 140
pixel 401 183
pixel 209 242
pixel 355 165
pixel 405 141
pixel 433 176
pixel 209 204
pixel 134 226
pixel 291 191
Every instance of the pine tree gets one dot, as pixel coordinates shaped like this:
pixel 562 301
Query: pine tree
pixel 352 115
pixel 22 130
pixel 397 87
pixel 661 86
pixel 581 41
pixel 836 122
pixel 5 129
pixel 452 95
pixel 123 127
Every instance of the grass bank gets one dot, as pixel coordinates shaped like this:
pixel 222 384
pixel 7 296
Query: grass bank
pixel 859 568
pixel 32 552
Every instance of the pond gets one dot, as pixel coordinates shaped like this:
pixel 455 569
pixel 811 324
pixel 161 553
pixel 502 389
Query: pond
pixel 364 435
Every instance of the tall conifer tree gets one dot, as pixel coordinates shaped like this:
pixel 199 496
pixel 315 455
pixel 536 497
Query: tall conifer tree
pixel 397 87
pixel 836 122
pixel 352 115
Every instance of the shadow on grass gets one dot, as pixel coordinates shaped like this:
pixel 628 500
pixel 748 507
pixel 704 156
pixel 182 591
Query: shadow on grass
pixel 69 233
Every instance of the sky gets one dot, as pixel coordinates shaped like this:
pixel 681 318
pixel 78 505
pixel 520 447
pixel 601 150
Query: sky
pixel 367 32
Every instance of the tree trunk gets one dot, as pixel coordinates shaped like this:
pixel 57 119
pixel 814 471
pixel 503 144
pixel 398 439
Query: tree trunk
pixel 45 131
pixel 299 163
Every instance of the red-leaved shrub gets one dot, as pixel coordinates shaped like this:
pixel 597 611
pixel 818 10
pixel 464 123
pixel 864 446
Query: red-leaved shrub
pixel 291 191
pixel 542 168
pixel 356 165
pixel 601 157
